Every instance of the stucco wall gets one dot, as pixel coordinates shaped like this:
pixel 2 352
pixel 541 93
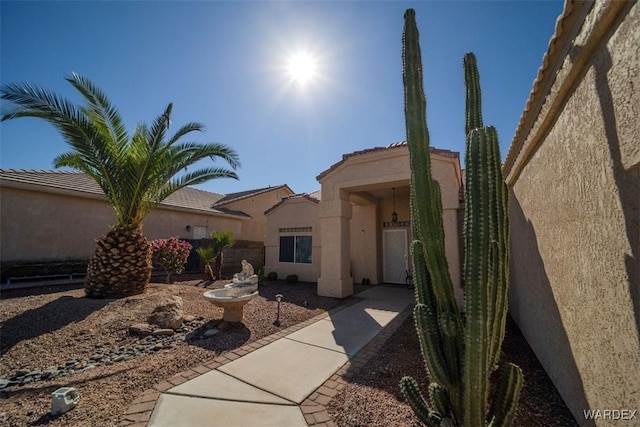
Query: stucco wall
pixel 162 223
pixel 39 226
pixel 365 233
pixel 575 191
pixel 256 229
pixel 293 213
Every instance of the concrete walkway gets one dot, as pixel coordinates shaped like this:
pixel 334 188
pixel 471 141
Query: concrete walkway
pixel 267 386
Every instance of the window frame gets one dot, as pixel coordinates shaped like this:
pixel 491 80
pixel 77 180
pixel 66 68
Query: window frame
pixel 294 233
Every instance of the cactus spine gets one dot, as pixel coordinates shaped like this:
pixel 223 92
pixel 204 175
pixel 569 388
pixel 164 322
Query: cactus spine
pixel 460 354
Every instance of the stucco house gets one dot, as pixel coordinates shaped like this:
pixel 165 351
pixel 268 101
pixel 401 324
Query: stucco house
pixel 55 215
pixel 357 227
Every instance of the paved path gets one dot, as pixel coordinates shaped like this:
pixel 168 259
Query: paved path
pixel 273 385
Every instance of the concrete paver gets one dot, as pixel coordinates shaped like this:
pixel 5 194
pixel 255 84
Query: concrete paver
pixel 218 385
pixel 173 410
pixel 347 331
pixel 287 368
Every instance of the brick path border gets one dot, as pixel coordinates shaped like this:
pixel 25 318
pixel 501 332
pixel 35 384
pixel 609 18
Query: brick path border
pixel 313 408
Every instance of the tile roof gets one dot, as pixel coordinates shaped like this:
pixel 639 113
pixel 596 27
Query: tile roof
pixel 306 196
pixel 189 198
pixel 401 144
pixel 234 197
pixel 569 17
pixel 316 195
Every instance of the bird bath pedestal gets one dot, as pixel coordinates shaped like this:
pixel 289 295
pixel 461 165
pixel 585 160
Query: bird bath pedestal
pixel 231 304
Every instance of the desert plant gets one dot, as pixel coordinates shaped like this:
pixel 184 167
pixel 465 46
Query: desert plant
pixel 221 241
pixel 291 278
pixel 272 276
pixel 462 355
pixel 135 172
pixel 170 254
pixel 207 255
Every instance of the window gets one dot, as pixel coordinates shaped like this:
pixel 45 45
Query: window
pixel 294 247
pixel 199 232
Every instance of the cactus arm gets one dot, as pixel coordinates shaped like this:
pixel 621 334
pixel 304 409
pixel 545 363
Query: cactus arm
pixel 426 320
pixel 420 407
pixel 501 265
pixel 476 361
pixel 440 399
pixel 473 112
pixel 505 399
pixel 427 220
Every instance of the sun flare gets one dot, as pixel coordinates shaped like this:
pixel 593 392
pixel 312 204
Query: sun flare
pixel 302 67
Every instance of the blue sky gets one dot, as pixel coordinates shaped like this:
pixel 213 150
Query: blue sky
pixel 224 64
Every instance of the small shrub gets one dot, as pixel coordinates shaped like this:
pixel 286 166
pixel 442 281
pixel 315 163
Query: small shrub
pixel 272 276
pixel 170 254
pixel 291 278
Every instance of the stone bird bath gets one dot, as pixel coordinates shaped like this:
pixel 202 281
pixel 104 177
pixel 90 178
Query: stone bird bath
pixel 236 294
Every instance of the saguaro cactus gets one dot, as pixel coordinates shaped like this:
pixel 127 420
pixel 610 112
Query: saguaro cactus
pixel 471 385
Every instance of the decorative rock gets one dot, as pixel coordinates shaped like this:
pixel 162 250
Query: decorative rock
pixel 188 319
pixel 211 332
pixel 105 356
pixel 140 329
pixel 22 372
pixel 168 315
pixel 163 332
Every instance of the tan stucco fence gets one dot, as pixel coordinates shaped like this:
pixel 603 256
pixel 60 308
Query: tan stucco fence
pixel 574 174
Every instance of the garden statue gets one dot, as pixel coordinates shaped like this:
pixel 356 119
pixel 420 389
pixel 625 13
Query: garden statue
pixel 246 276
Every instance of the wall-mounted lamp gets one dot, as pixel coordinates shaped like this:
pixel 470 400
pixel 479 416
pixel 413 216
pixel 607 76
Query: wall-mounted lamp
pixel 394 215
pixel 188 228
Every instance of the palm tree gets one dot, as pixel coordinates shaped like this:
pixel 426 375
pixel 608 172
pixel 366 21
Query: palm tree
pixel 135 172
pixel 221 240
pixel 207 254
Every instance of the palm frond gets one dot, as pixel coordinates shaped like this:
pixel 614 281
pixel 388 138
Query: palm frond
pixel 135 172
pixel 103 114
pixel 185 130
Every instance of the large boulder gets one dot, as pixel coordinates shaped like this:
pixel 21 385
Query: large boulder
pixel 168 314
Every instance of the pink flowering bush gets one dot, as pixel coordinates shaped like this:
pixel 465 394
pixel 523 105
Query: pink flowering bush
pixel 170 254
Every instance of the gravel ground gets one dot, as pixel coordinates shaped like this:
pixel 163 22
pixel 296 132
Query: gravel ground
pixel 45 328
pixel 373 397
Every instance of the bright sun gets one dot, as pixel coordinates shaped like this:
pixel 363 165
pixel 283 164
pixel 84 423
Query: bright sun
pixel 302 67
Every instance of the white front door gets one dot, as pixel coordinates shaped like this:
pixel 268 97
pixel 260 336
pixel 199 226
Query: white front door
pixel 394 255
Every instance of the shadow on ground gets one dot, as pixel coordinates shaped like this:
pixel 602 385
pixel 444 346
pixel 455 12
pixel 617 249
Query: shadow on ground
pixel 51 316
pixel 540 403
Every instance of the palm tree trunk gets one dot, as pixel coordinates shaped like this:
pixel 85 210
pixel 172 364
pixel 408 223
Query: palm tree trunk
pixel 121 264
pixel 209 271
pixel 217 266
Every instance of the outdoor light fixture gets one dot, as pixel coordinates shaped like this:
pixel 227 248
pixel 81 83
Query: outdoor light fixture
pixel 188 228
pixel 394 215
pixel 278 298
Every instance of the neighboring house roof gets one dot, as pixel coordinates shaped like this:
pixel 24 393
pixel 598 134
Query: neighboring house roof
pixel 187 198
pixel 234 197
pixel 402 144
pixel 316 194
pixel 305 196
